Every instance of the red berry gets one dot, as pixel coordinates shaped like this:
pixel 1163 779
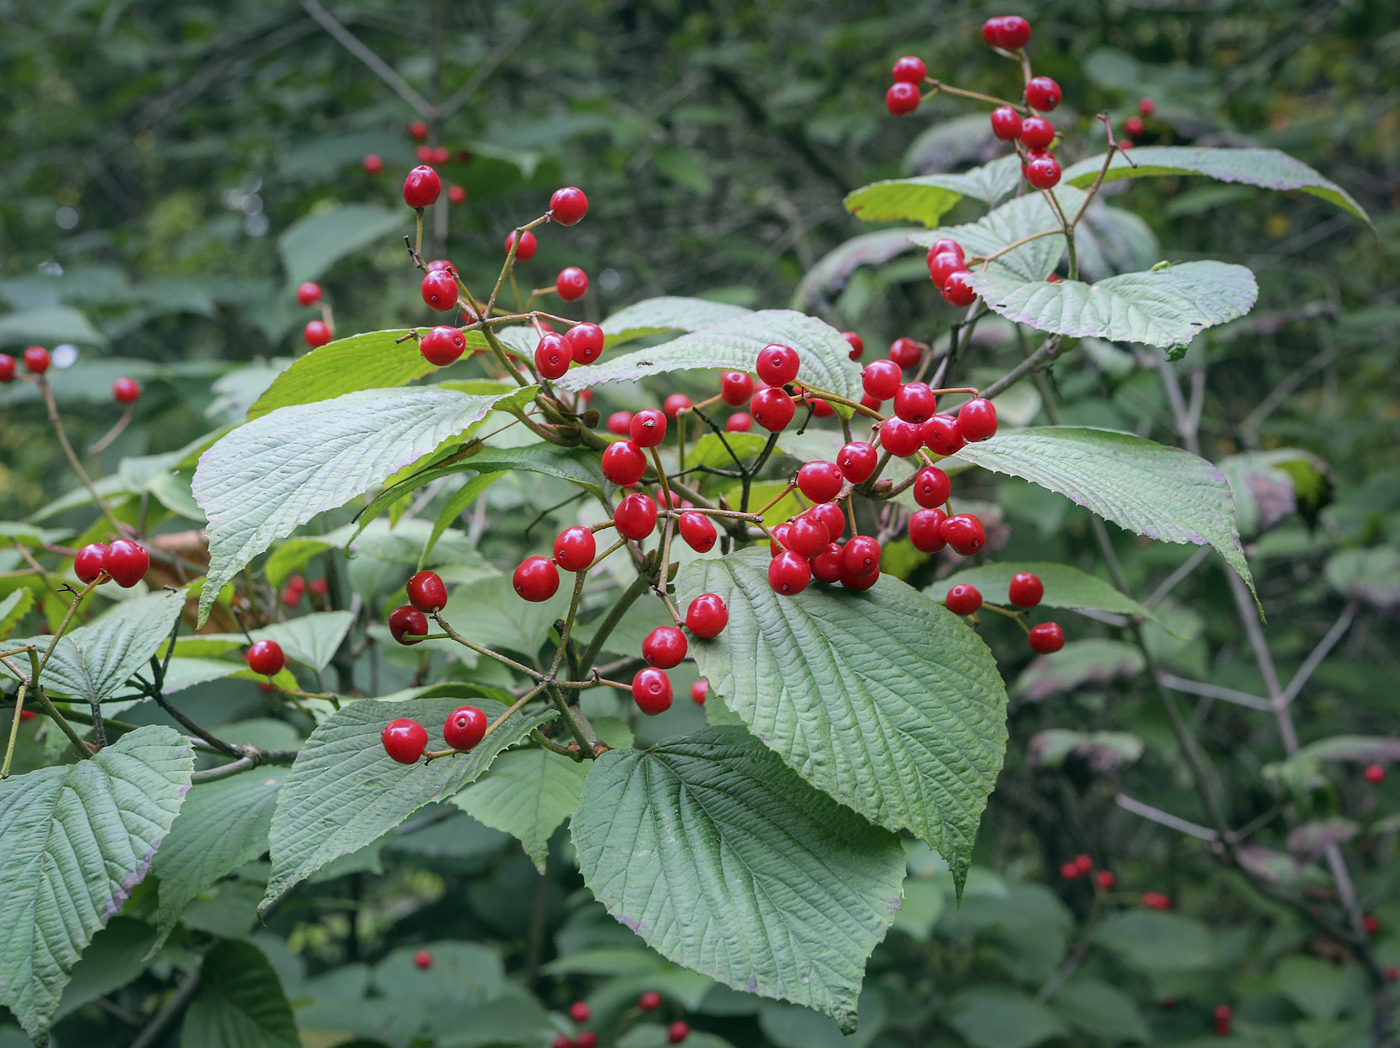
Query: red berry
pixel 772 408
pixel 909 70
pixel 906 353
pixel 950 245
pixel 1068 871
pixel 678 1031
pixel 648 428
pixel 915 402
pixel 673 405
pixel 620 422
pixel 857 460
pixel 827 565
pixel 87 565
pixel 963 599
pixel 931 487
pixel 735 388
pixel 440 290
pixel 1370 924
pixel 422 187
pixel 423 959
pixel 1374 773
pixel 624 462
pixel 1146 106
pixel 425 154
pixel 442 345
pixel 1085 863
pixel 941 435
pixel 1133 127
pixel 707 616
pixel 977 420
pixel 125 391
pixel 1006 123
pixel 807 535
pixel 778 542
pixel 1222 1013
pixel 417 129
pixel 528 244
pixel 1043 93
pixel 571 283
pixel 664 647
pixel 456 195
pixel 859 582
pixel 568 205
pixel 1156 901
pixel 309 293
pixel 408 625
pixel 37 360
pixel 426 592
pixel 1037 132
pixel 579 1011
pixel 561 1041
pixel 881 378
pixel 316 333
pixel 291 595
pixel 1046 638
pixel 1026 589
pixel 1043 172
pixel 900 438
pixel 651 691
pixel 536 579
pixel 861 556
pixel 902 98
pixel 635 517
pixel 698 531
pixel 739 422
pixel 126 562
pixel 7 368
pixel 856 343
pixel 699 691
pixel 441 263
pixel 924 530
pixel 265 657
pixel 943 265
pixel 1013 32
pixel 957 291
pixel 404 740
pixel 964 533
pixel 465 727
pixel 789 573
pixel 830 514
pixel 586 341
pixel 1105 880
pixel 553 356
pixel 373 163
pixel 649 1001
pixel 820 481
pixel 777 365
pixel 991 31
pixel 575 549
pixel 1392 973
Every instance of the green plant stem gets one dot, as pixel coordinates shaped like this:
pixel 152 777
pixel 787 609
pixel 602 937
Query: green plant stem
pixel 940 86
pixel 551 745
pixel 481 649
pixel 57 424
pixel 1044 354
pixel 585 744
pixel 629 596
pixel 14 731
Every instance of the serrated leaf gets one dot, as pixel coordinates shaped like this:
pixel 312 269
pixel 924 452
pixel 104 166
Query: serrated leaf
pixel 13 608
pixel 725 861
pixel 1002 227
pixel 1096 660
pixel 1101 1010
pixel 266 478
pixel 1001 1017
pixel 78 839
pixel 1065 587
pixel 1111 240
pixel 884 700
pixel 114 955
pixel 311 245
pixel 527 793
pixel 657 316
pixel 1319 988
pixel 1267 168
pixel 928 198
pixel 733 345
pixel 240 1003
pixel 1151 941
pixel 1164 493
pixel 344 791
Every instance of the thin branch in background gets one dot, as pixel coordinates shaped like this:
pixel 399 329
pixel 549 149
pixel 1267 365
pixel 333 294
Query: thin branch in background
pixel 1323 649
pixel 1166 819
pixel 377 65
pixel 1214 691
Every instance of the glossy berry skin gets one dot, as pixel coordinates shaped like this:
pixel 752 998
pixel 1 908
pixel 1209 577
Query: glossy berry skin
pixel 906 352
pixel 575 549
pixel 125 391
pixel 707 616
pixel 1010 32
pixel 309 293
pixel 698 531
pixel 789 573
pixel 1037 132
pixel 857 461
pixel 553 356
pixel 316 333
pixel 7 368
pixel 126 562
pixel 861 556
pixel 442 345
pixel 735 388
pixel 772 408
pixel 440 290
pixel 648 428
pixel 561 1041
pixel 37 360
pixel 635 517
pixel 1025 590
pixel 29 715
pixel 1043 94
pixel 664 647
pixel 881 378
pixel 925 532
pixel 902 98
pixel 620 423
pixel 426 592
pixel 422 187
pixel 568 205
pixel 909 70
pixel 586 341
pixel 408 625
pixel 827 565
pixel 964 533
pixel 1105 880
pixel 915 402
pixel 651 691
pixel 372 164
pixel 1006 123
pixel 777 365
pixel 856 343
pixel 579 1011
pixel 739 422
pixel 977 420
pixel 678 1031
pixel 807 536
pixel 265 657
pixel 931 487
pixel 948 244
pixel 943 265
pixel 404 740
pixel 572 283
pixel 536 579
pixel 649 1001
pixel 1046 638
pixel 87 565
pixel 941 435
pixel 963 599
pixel 673 405
pixel 423 960
pixel 1043 172
pixel 624 463
pixel 1374 773
pixel 900 438
pixel 699 692
pixel 820 481
pixel 778 542
pixel 859 582
pixel 830 514
pixel 527 248
pixel 957 291
pixel 465 728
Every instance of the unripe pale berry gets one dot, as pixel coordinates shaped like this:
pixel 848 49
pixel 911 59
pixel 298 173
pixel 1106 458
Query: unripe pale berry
pixel 422 187
pixel 442 345
pixel 651 691
pixel 126 391
pixel 426 592
pixel 568 205
pixel 265 657
pixel 464 729
pixel 404 740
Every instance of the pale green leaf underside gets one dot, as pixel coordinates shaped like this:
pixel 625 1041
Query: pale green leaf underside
pixel 1162 307
pixel 833 270
pixel 77 840
pixel 266 478
pixel 927 198
pixel 656 316
pixel 527 794
pixel 1065 587
pixel 1162 492
pixel 1266 168
pixel 725 861
pixel 883 699
pixel 1032 261
pixel 344 791
pixel 311 245
pixel 240 1002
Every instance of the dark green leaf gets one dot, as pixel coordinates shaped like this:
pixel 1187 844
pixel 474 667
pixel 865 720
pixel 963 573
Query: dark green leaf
pixel 1000 1017
pixel 311 245
pixel 240 1003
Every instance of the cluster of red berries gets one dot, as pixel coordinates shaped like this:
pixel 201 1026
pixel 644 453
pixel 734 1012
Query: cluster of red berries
pixel 297 587
pixel 1156 900
pixel 1025 591
pixel 317 332
pixel 1082 866
pixel 124 562
pixel 427 595
pixel 1135 126
pixel 580 1013
pixel 405 739
pixel 37 360
pixel 373 163
pixel 1223 1015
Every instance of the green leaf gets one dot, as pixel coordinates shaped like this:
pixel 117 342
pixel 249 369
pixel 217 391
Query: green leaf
pixel 883 699
pixel 657 316
pixel 311 245
pixel 13 608
pixel 49 326
pixel 344 791
pixel 110 961
pixel 222 826
pixel 310 639
pixel 1364 749
pixel 789 1026
pixel 1368 575
pixel 1104 752
pixel 266 478
pixel 1154 942
pixel 1161 307
pixel 240 1003
pixel 1101 1010
pixel 928 198
pixel 1065 587
pixel 725 861
pixel 1269 485
pixel 490 612
pixel 1164 493
pixel 1031 262
pixel 527 793
pixel 733 345
pixel 654 1035
pixel 1000 1017
pixel 1080 662
pixel 832 272
pixel 78 839
pixel 455 507
pixel 1317 987
pixel 462 973
pixel 1267 168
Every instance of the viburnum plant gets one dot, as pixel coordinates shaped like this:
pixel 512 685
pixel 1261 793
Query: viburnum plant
pixel 763 533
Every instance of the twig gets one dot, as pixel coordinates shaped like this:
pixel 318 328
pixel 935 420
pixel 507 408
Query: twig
pixel 1167 819
pixel 1213 691
pixel 377 65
